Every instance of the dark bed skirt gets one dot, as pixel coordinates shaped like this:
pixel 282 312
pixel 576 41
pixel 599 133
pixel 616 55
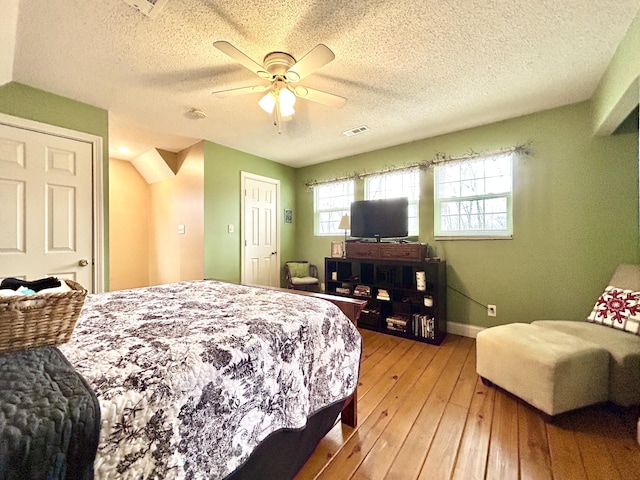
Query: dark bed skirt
pixel 283 453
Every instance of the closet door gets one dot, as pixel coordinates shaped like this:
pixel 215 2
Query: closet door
pixel 45 206
pixel 260 265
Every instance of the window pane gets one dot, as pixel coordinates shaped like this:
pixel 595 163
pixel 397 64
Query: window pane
pixel 471 188
pixel 501 184
pixel 451 223
pixel 496 221
pixel 471 170
pixel 449 173
pixel 449 190
pixel 474 197
pixel 495 205
pixel 332 201
pixel 450 208
pixel 394 185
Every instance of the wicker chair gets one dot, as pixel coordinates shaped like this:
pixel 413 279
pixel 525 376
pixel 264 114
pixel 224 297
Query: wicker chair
pixel 301 275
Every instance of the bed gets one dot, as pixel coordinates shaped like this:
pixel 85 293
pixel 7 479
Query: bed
pixel 207 379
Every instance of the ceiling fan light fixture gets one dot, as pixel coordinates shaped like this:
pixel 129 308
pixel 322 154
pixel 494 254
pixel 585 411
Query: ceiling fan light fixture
pixel 268 102
pixel 287 111
pixel 287 100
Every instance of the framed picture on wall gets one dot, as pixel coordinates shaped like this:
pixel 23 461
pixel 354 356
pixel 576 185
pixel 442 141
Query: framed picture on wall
pixel 337 249
pixel 288 216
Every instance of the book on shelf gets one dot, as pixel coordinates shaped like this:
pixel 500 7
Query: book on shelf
pixel 345 290
pixel 423 326
pixel 362 291
pixel 398 323
pixel 397 318
pixel 383 294
pixel 396 328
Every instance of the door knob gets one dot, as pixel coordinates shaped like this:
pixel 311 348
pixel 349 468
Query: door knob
pixel 83 263
pixel 273 253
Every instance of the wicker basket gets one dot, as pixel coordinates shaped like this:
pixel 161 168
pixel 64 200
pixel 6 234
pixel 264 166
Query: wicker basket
pixel 28 321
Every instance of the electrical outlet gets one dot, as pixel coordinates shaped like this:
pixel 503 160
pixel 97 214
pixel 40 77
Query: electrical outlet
pixel 491 310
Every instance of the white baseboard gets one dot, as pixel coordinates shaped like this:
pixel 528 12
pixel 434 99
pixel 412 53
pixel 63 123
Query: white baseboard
pixel 463 329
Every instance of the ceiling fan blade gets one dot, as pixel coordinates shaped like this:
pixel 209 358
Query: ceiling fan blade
pixel 242 59
pixel 240 91
pixel 319 96
pixel 317 58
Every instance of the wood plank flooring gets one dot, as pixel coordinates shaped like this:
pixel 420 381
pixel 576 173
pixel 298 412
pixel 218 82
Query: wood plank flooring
pixel 423 413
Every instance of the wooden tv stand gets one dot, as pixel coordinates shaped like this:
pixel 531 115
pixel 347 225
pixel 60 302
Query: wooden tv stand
pixel 396 304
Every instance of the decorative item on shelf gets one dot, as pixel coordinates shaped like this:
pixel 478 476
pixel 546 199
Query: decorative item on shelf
pixel 345 224
pixel 334 275
pixel 421 281
pixel 428 301
pixel 362 291
pixel 344 290
pixel 337 250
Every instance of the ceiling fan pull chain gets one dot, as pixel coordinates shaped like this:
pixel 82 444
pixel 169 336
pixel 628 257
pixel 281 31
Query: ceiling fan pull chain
pixel 277 112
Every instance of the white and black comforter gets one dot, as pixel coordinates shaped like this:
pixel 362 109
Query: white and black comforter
pixel 192 376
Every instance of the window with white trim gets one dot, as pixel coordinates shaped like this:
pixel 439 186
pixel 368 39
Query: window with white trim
pixel 473 198
pixel 331 202
pixel 405 183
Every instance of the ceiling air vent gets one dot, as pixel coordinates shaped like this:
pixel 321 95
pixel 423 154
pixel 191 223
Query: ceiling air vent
pixel 356 131
pixel 149 7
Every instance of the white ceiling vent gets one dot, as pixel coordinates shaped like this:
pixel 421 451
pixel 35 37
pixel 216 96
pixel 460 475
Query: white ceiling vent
pixel 149 7
pixel 356 131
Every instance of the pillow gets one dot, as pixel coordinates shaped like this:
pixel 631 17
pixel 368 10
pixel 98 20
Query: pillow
pixel 298 269
pixel 618 308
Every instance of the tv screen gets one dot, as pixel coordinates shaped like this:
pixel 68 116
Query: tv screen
pixel 380 218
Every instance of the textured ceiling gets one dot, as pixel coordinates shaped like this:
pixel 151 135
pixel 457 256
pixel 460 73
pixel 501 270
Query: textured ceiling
pixel 409 69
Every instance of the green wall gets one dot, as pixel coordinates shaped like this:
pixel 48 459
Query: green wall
pixel 575 216
pixel 23 101
pixel 617 92
pixel 222 205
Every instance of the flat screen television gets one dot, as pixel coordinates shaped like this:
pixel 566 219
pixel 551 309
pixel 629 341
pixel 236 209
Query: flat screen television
pixel 380 218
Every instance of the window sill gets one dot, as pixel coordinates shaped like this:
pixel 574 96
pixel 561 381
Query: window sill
pixel 474 237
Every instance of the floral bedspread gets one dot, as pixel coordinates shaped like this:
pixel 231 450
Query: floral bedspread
pixel 192 376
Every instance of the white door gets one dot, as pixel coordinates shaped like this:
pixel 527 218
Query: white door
pixel 261 264
pixel 45 206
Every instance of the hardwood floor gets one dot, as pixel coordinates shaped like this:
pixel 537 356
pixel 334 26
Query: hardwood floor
pixel 423 413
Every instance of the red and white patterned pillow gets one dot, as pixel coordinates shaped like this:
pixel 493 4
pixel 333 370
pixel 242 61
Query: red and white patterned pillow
pixel 618 308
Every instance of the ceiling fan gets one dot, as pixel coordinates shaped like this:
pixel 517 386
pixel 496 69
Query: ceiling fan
pixel 282 70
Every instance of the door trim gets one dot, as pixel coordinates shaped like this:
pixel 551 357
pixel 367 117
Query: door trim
pixel 97 190
pixel 243 177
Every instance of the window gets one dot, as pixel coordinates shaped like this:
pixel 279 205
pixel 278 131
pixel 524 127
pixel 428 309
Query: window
pixel 393 185
pixel 473 198
pixel 331 202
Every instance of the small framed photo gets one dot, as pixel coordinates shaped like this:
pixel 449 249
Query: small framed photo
pixel 288 216
pixel 337 249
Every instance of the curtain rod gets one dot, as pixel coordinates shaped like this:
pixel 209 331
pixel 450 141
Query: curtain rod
pixel 439 159
pixel 523 149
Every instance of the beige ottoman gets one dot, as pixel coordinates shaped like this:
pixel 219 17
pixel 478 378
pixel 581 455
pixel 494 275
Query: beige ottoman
pixel 553 371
